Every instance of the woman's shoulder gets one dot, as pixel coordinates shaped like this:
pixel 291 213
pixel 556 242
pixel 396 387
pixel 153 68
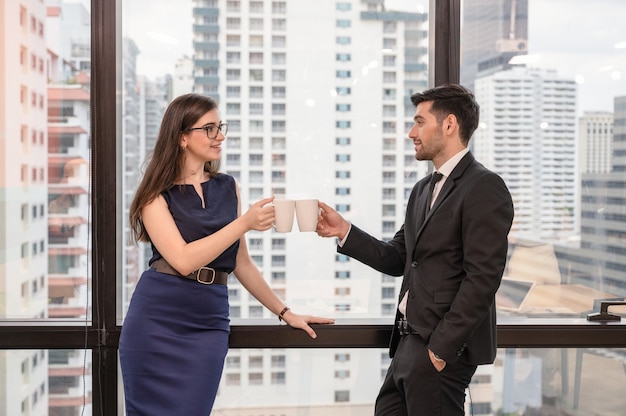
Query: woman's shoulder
pixel 224 177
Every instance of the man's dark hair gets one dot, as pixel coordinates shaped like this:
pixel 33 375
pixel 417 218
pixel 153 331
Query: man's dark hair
pixel 452 99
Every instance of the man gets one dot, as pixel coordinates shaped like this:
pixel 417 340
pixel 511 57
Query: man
pixel 451 251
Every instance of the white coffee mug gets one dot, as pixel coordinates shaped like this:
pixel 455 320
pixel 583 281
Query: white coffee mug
pixel 307 212
pixel 283 215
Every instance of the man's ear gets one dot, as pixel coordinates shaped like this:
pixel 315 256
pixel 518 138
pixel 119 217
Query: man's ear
pixel 450 123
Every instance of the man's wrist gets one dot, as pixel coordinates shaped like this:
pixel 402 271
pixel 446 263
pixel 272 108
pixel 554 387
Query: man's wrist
pixel 343 239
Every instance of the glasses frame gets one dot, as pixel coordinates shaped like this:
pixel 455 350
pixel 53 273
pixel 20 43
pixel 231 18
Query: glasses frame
pixel 223 127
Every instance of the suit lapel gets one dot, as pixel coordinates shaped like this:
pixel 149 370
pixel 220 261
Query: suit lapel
pixel 448 186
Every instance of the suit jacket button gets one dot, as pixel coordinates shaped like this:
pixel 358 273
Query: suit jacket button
pixel 413 264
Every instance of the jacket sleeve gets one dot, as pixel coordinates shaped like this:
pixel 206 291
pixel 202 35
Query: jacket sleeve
pixel 386 257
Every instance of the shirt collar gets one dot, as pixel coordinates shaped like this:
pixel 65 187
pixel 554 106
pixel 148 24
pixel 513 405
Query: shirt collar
pixel 447 168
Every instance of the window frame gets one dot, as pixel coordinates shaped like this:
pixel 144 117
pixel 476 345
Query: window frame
pixel 101 334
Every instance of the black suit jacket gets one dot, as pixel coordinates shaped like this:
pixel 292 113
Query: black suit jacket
pixel 452 260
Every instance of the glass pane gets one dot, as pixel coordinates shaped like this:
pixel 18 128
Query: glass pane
pixel 45 382
pixel 556 381
pixel 45 162
pixel 319 382
pixel 45 265
pixel 340 135
pixel 553 111
pixel 332 109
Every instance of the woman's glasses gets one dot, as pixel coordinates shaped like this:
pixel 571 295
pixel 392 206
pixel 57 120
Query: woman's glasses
pixel 212 130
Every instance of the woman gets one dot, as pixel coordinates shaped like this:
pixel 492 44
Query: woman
pixel 175 335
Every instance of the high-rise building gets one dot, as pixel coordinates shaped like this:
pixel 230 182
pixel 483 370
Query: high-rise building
pixel 528 135
pixel 24 198
pixel 493 32
pixel 595 139
pixel 599 262
pixel 316 96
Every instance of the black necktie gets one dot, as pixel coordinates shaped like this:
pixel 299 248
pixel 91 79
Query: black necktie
pixel 436 177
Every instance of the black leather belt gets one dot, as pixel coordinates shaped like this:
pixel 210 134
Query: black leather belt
pixel 404 328
pixel 204 275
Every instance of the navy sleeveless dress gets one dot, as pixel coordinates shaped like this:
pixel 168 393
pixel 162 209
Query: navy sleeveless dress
pixel 175 335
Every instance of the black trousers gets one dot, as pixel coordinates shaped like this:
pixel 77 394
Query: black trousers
pixel 413 387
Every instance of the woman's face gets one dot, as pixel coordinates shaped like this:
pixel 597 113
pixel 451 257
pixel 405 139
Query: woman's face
pixel 203 140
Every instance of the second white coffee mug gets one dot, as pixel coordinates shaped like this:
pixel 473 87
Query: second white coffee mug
pixel 307 211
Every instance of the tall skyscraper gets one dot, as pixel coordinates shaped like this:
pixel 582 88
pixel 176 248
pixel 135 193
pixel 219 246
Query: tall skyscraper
pixel 528 136
pixel 316 95
pixel 493 32
pixel 24 198
pixel 595 137
pixel 599 262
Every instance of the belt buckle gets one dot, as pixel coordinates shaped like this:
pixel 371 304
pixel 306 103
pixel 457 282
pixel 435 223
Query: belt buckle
pixel 205 282
pixel 403 327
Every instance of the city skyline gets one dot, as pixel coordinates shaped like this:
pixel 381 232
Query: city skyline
pixel 553 43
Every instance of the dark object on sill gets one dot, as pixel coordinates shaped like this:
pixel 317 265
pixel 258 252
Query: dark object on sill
pixel 604 315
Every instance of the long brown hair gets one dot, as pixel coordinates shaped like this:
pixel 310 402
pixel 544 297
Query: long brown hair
pixel 165 165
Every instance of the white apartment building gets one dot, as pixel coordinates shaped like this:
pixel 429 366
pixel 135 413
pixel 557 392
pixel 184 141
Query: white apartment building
pixel 528 135
pixel 316 95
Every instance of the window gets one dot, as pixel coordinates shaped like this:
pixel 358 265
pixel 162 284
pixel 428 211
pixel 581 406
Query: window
pixel 233 40
pixel 256 58
pixel 256 75
pixel 279 7
pixel 233 74
pixel 344 6
pixel 278 377
pixel 342 374
pixel 279 58
pixel 256 108
pixel 233 92
pixel 233 23
pixel 578 225
pixel 279 41
pixel 256 92
pixel 255 378
pixel 342 274
pixel 279 75
pixel 342 396
pixel 256 362
pixel 279 24
pixel 388 293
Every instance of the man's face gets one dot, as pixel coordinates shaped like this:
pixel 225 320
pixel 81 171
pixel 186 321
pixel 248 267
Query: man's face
pixel 427 133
